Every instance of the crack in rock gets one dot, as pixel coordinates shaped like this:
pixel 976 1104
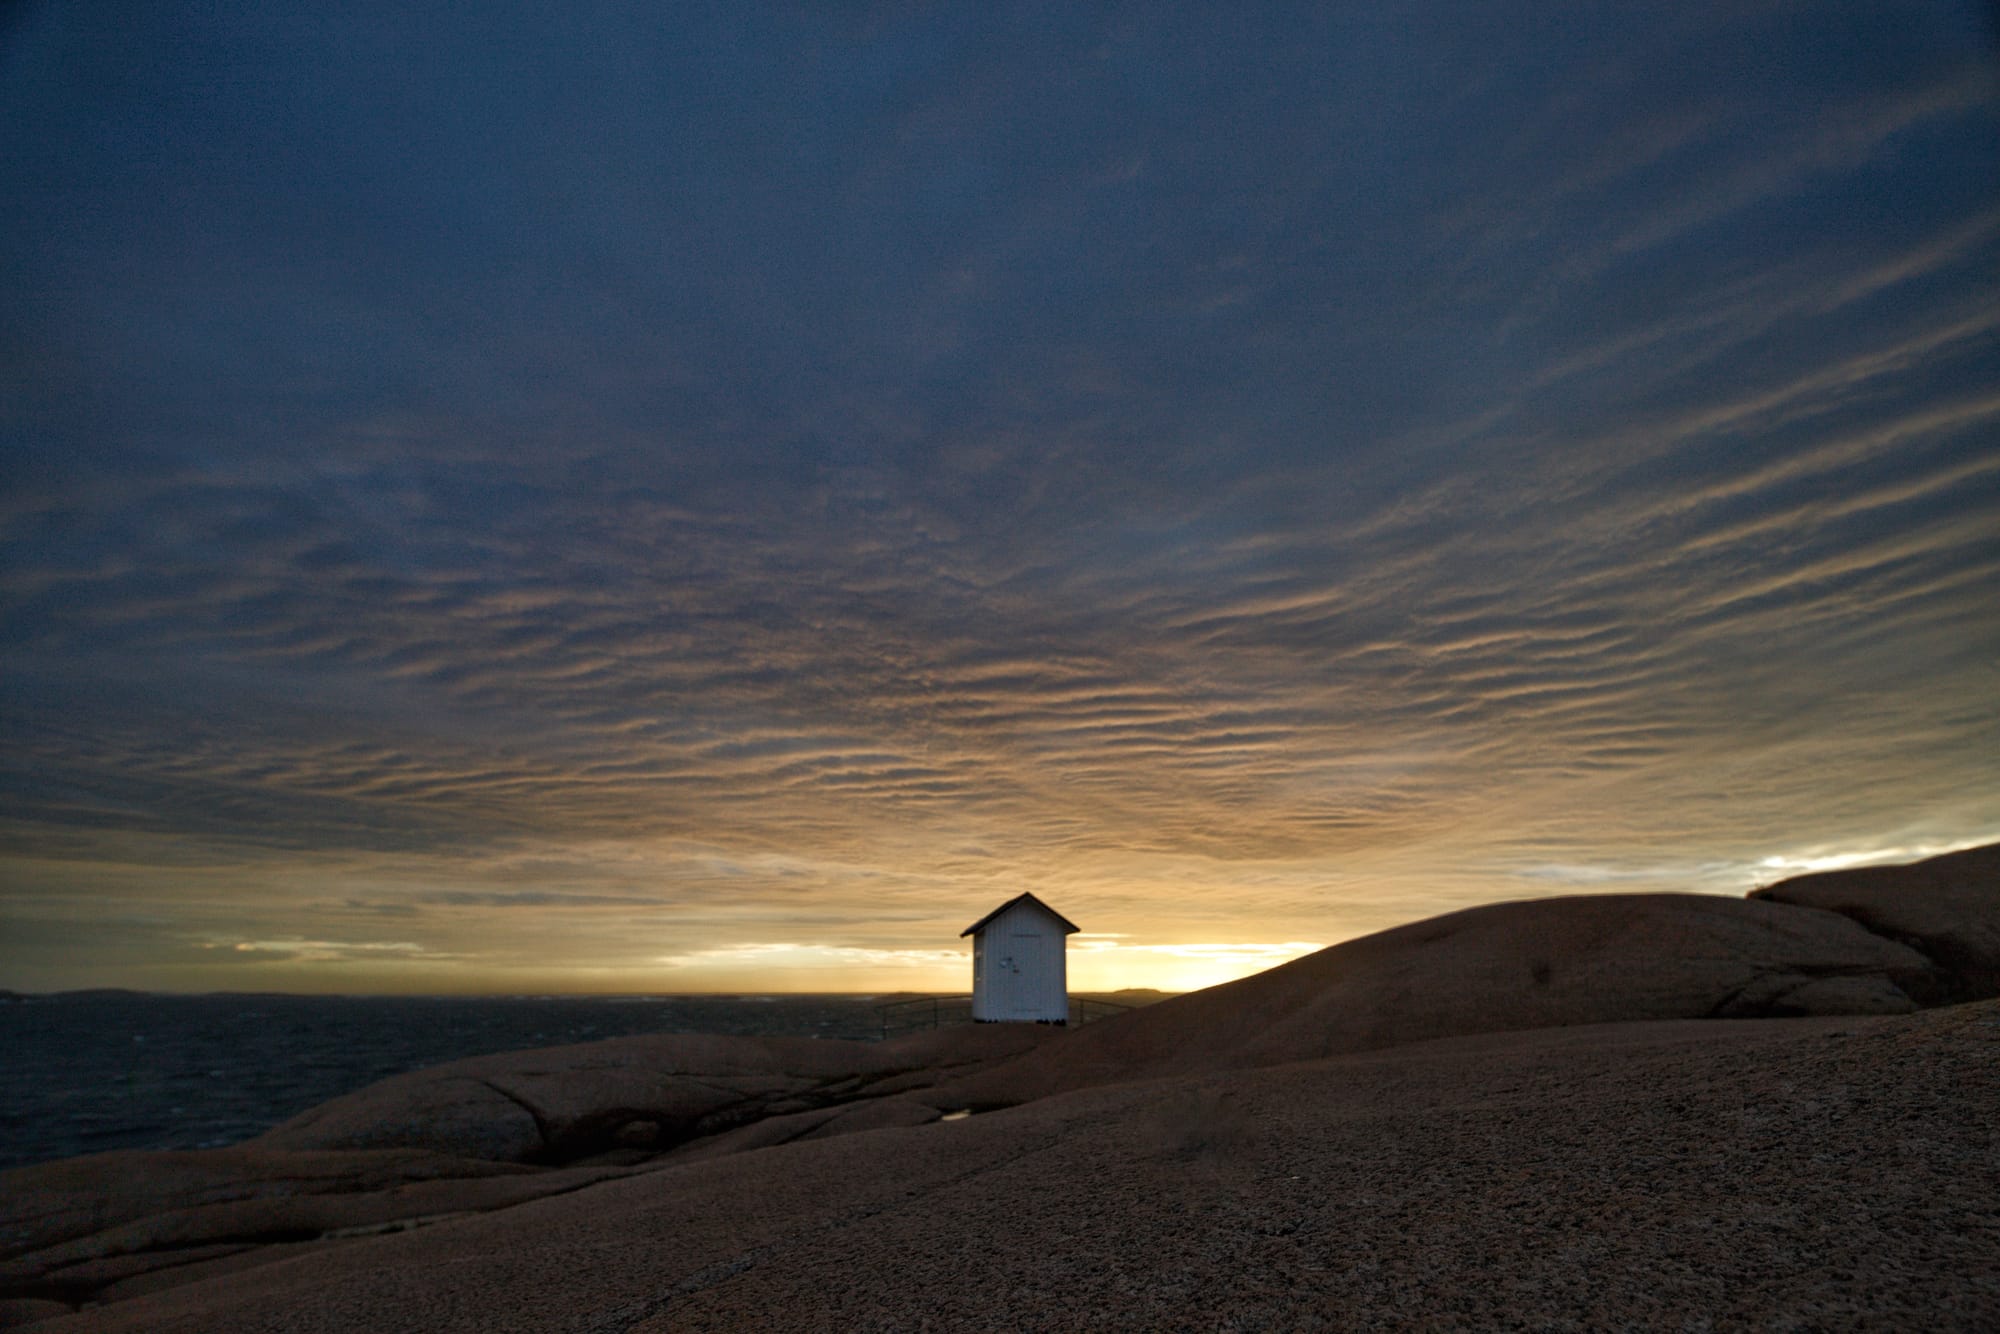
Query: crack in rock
pixel 541 1124
pixel 637 1313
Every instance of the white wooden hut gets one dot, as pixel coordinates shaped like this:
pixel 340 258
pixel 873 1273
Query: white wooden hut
pixel 1019 969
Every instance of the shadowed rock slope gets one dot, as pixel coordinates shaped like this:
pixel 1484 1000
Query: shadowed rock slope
pixel 458 1139
pixel 1947 907
pixel 649 1093
pixel 1516 1113
pixel 1548 963
pixel 1826 1174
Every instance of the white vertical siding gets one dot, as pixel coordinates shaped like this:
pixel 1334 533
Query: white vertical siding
pixel 1020 971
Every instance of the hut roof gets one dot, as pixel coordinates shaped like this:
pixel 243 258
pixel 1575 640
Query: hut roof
pixel 1067 925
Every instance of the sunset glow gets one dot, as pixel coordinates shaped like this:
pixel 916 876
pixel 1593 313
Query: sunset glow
pixel 629 499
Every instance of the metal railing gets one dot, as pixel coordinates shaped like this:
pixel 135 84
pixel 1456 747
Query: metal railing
pixel 925 1012
pixel 921 1012
pixel 1089 1009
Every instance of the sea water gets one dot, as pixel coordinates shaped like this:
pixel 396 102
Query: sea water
pixel 87 1072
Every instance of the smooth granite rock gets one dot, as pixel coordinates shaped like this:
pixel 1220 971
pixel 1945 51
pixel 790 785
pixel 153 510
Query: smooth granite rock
pixel 563 1104
pixel 78 1228
pixel 1548 963
pixel 1827 1174
pixel 47 1204
pixel 1526 1115
pixel 1948 907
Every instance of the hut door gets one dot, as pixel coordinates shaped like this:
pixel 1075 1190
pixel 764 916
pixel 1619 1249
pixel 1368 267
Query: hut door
pixel 1027 989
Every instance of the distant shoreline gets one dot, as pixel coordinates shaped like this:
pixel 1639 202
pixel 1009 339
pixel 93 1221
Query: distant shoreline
pixel 86 993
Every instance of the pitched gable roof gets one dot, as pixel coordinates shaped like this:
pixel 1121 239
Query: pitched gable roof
pixel 1067 925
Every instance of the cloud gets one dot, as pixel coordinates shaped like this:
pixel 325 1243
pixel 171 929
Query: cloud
pixel 781 955
pixel 302 950
pixel 883 464
pixel 1236 952
pixel 535 898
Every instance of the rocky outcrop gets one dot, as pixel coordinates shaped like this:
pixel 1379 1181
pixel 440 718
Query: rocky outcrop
pixel 1800 1174
pixel 1163 1112
pixel 459 1139
pixel 1542 964
pixel 818 1123
pixel 1876 941
pixel 1946 907
pixel 651 1093
pixel 49 1204
pixel 84 1227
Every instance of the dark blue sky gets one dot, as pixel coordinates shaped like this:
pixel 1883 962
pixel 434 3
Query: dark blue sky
pixel 672 497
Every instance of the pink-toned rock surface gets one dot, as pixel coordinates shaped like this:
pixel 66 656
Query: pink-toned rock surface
pixel 1948 907
pixel 18 1311
pixel 84 1227
pixel 1517 1116
pixel 560 1104
pixel 820 1123
pixel 448 1141
pixel 1766 1174
pixel 1589 959
pixel 54 1203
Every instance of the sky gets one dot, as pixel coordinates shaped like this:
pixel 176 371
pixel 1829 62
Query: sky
pixel 717 497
